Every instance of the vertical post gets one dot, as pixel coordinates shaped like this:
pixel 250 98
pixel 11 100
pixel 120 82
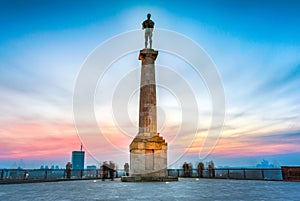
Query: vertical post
pixel 24 176
pixel 81 172
pixel 244 173
pixel 46 174
pixel 262 174
pixel 2 174
pixel 228 176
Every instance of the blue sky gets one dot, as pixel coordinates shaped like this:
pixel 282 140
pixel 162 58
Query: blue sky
pixel 263 21
pixel 254 44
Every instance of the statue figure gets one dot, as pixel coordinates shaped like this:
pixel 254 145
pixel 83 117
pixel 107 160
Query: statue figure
pixel 200 169
pixel 68 170
pixel 126 169
pixel 148 25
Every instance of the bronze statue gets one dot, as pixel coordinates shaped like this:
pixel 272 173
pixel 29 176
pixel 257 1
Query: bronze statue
pixel 148 25
pixel 68 170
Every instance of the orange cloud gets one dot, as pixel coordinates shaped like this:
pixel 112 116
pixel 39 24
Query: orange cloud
pixel 250 145
pixel 38 140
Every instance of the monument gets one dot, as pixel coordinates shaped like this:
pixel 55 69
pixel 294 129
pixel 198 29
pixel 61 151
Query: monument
pixel 148 150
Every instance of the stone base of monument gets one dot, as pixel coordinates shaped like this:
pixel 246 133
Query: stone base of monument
pixel 148 150
pixel 148 179
pixel 148 159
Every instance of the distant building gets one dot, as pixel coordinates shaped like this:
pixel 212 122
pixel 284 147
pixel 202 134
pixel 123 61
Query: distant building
pixel 77 160
pixel 266 164
pixel 91 167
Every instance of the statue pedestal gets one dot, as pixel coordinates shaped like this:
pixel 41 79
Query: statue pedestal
pixel 148 150
pixel 148 156
pixel 148 159
pixel 148 179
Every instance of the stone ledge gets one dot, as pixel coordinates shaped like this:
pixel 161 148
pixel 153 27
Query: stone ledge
pixel 156 142
pixel 148 179
pixel 147 145
pixel 147 52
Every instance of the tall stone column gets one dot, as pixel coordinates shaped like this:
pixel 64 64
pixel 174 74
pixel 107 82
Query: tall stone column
pixel 148 150
pixel 147 114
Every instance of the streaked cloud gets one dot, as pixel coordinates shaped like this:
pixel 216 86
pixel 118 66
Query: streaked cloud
pixel 256 52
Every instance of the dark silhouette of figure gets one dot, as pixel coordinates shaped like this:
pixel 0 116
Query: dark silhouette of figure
pixel 112 169
pixel 211 169
pixel 148 25
pixel 104 171
pixel 190 172
pixel 200 169
pixel 185 168
pixel 126 169
pixel 68 170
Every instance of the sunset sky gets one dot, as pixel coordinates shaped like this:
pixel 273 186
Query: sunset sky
pixel 255 46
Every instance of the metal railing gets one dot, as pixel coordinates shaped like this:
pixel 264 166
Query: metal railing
pixel 49 174
pixel 218 173
pixel 231 173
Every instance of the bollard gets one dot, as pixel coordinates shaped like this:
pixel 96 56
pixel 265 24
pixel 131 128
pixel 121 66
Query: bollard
pixel 24 176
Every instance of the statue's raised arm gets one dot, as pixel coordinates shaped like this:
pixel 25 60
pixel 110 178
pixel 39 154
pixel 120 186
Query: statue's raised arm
pixel 148 25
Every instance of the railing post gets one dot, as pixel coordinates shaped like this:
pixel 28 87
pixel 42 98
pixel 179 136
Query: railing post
pixel 2 174
pixel 24 176
pixel 178 172
pixel 81 171
pixel 244 173
pixel 97 173
pixel 262 174
pixel 228 176
pixel 46 174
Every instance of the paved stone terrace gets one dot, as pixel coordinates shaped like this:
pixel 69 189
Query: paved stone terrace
pixel 184 190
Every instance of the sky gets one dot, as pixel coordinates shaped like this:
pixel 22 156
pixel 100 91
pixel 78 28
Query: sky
pixel 255 46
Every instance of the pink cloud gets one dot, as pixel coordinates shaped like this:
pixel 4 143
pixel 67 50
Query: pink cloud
pixel 35 141
pixel 38 140
pixel 253 145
